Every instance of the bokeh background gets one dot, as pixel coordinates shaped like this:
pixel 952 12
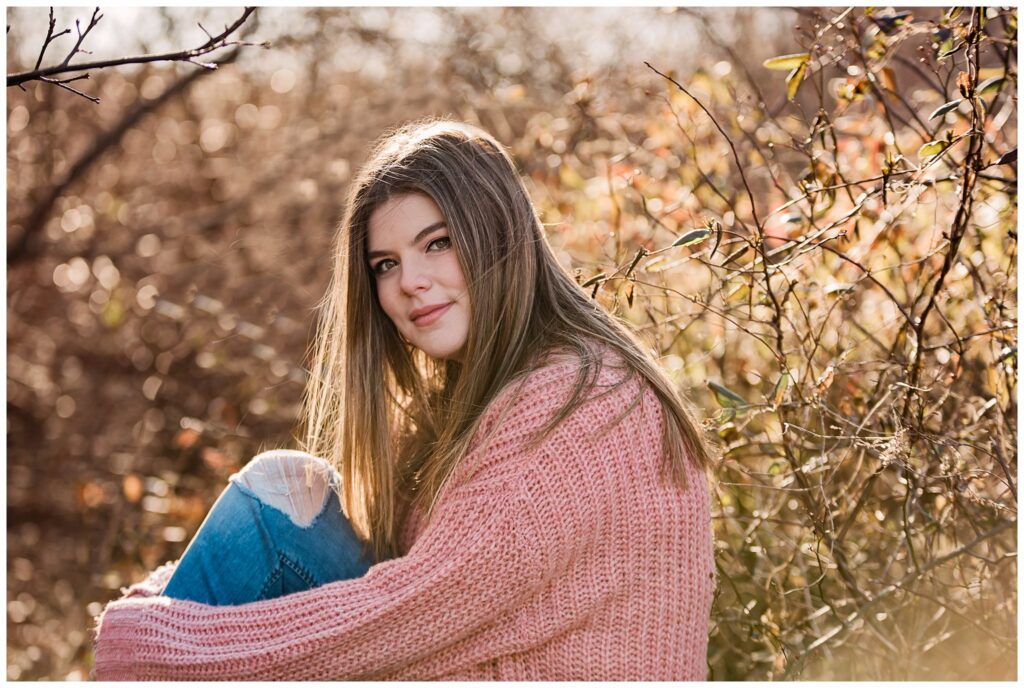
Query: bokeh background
pixel 821 248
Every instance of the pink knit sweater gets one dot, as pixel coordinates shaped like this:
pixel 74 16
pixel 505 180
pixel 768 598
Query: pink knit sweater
pixel 573 560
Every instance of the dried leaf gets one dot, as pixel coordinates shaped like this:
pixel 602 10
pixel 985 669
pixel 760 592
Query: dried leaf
pixel 780 388
pixel 1007 158
pixel 888 79
pixel 963 83
pixel 186 438
pixel 132 488
pixel 822 384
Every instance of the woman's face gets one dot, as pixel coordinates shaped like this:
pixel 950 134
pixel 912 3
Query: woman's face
pixel 419 282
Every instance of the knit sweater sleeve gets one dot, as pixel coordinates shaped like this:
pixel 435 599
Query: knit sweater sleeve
pixel 479 557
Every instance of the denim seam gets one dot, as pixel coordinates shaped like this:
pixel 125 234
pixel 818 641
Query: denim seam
pixel 299 570
pixel 274 576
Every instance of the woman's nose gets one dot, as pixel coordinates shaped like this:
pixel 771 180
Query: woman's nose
pixel 414 279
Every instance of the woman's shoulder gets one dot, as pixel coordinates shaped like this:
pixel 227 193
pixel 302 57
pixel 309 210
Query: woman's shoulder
pixel 562 402
pixel 601 365
pixel 564 377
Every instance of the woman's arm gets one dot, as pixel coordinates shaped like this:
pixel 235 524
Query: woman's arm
pixel 478 558
pixel 434 611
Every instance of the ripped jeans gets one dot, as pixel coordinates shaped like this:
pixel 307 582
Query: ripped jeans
pixel 276 529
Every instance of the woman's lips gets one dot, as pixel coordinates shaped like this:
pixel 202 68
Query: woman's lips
pixel 432 316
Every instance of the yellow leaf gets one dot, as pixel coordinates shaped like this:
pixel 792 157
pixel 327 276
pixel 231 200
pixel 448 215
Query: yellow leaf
pixel 786 62
pixel 987 73
pixel 932 148
pixel 794 80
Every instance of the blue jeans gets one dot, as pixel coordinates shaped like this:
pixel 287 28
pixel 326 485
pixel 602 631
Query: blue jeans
pixel 265 538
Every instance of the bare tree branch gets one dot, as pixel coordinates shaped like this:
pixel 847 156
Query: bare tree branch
pixel 27 243
pixel 735 155
pixel 93 21
pixel 214 43
pixel 50 37
pixel 64 84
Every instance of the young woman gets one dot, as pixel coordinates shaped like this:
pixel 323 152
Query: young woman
pixel 524 490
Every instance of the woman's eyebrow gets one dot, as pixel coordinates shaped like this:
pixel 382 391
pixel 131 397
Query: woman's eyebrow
pixel 419 236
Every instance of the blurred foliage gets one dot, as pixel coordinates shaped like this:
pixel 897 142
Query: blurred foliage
pixel 815 237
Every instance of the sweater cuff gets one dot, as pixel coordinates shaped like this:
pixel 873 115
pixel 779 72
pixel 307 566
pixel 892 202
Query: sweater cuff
pixel 117 637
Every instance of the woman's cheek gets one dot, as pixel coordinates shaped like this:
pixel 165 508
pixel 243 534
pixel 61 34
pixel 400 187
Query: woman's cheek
pixel 387 302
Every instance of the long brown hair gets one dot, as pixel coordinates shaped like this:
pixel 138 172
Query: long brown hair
pixel 393 421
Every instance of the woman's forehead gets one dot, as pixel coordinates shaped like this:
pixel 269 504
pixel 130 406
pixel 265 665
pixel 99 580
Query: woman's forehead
pixel 403 216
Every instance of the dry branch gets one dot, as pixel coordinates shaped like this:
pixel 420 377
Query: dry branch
pixel 43 74
pixel 28 244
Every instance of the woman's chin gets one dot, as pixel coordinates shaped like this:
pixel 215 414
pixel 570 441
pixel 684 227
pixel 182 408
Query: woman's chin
pixel 442 350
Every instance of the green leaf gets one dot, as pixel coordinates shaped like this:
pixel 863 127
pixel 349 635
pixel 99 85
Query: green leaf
pixel 990 85
pixel 932 148
pixel 944 108
pixel 780 388
pixel 783 63
pixel 692 237
pixel 726 397
pixel 948 47
pixel 795 78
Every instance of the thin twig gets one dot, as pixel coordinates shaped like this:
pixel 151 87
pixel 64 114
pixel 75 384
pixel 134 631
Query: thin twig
pixel 214 43
pixel 50 37
pixel 735 155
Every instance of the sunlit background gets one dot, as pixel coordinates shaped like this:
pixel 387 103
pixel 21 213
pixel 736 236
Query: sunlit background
pixel 167 248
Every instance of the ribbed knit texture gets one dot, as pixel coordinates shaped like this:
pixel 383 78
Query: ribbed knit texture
pixel 574 560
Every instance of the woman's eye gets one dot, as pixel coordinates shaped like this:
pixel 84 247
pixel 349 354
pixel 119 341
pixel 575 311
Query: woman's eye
pixel 440 244
pixel 383 266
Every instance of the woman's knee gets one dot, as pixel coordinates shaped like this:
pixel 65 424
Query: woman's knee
pixel 290 481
